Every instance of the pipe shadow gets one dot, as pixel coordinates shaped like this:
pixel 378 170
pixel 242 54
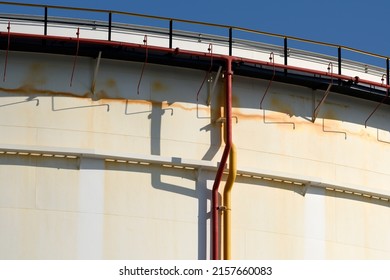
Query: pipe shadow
pixel 215 141
pixel 128 113
pixel 54 109
pixel 29 99
pixel 298 103
pixel 198 193
pixel 214 128
pixel 201 193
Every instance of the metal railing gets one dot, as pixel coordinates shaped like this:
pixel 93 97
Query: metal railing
pixel 167 29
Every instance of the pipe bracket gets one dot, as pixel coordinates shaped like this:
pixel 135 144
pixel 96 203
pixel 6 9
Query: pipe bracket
pixel 223 119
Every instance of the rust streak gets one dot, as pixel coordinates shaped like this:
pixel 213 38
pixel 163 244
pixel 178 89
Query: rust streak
pixel 162 105
pixel 330 114
pixel 28 89
pixel 281 107
pixel 111 83
pixel 331 118
pixel 235 101
pixel 158 86
pixel 35 75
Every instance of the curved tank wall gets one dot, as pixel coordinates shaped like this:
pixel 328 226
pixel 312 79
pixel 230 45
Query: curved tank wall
pixel 119 175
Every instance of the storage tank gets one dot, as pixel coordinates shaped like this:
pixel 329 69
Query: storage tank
pixel 123 141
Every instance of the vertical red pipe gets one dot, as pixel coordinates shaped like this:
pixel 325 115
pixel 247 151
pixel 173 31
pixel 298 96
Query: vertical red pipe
pixel 218 177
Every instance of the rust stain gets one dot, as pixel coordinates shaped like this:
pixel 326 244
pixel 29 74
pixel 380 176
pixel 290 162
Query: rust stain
pixel 111 83
pixel 331 122
pixel 300 97
pixel 165 105
pixel 343 106
pixel 128 101
pixel 158 86
pixel 35 75
pixel 281 107
pixel 235 101
pixel 217 107
pixel 101 94
pixel 111 90
pixel 29 89
pixel 365 134
pixel 245 116
pixel 180 106
pixel 36 67
pixel 162 105
pixel 330 114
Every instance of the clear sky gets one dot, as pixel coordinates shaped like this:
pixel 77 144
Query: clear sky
pixel 358 24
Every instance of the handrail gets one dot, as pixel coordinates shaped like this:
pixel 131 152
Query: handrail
pixel 170 19
pixel 241 43
pixel 171 32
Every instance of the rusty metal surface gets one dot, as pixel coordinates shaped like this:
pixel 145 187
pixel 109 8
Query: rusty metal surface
pixel 50 207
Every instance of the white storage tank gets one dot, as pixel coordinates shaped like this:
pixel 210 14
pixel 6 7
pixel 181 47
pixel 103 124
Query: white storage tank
pixel 111 138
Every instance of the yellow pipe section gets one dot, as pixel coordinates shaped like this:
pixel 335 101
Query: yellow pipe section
pixel 227 200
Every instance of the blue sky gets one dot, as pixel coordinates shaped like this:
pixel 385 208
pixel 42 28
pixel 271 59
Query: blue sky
pixel 358 24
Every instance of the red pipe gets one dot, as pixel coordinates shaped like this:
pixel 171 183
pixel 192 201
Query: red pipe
pixel 218 177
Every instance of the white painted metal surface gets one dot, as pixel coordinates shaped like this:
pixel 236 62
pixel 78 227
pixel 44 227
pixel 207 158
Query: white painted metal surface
pixel 124 176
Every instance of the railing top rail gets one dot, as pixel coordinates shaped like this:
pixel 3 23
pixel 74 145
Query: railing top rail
pixel 236 28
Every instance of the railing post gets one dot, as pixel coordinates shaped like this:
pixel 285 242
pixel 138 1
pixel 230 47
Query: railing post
pixel 45 22
pixel 109 25
pixel 339 59
pixel 285 54
pixel 170 33
pixel 339 62
pixel 230 41
pixel 387 71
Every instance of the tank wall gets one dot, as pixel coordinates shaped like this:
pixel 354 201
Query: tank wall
pixel 93 207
